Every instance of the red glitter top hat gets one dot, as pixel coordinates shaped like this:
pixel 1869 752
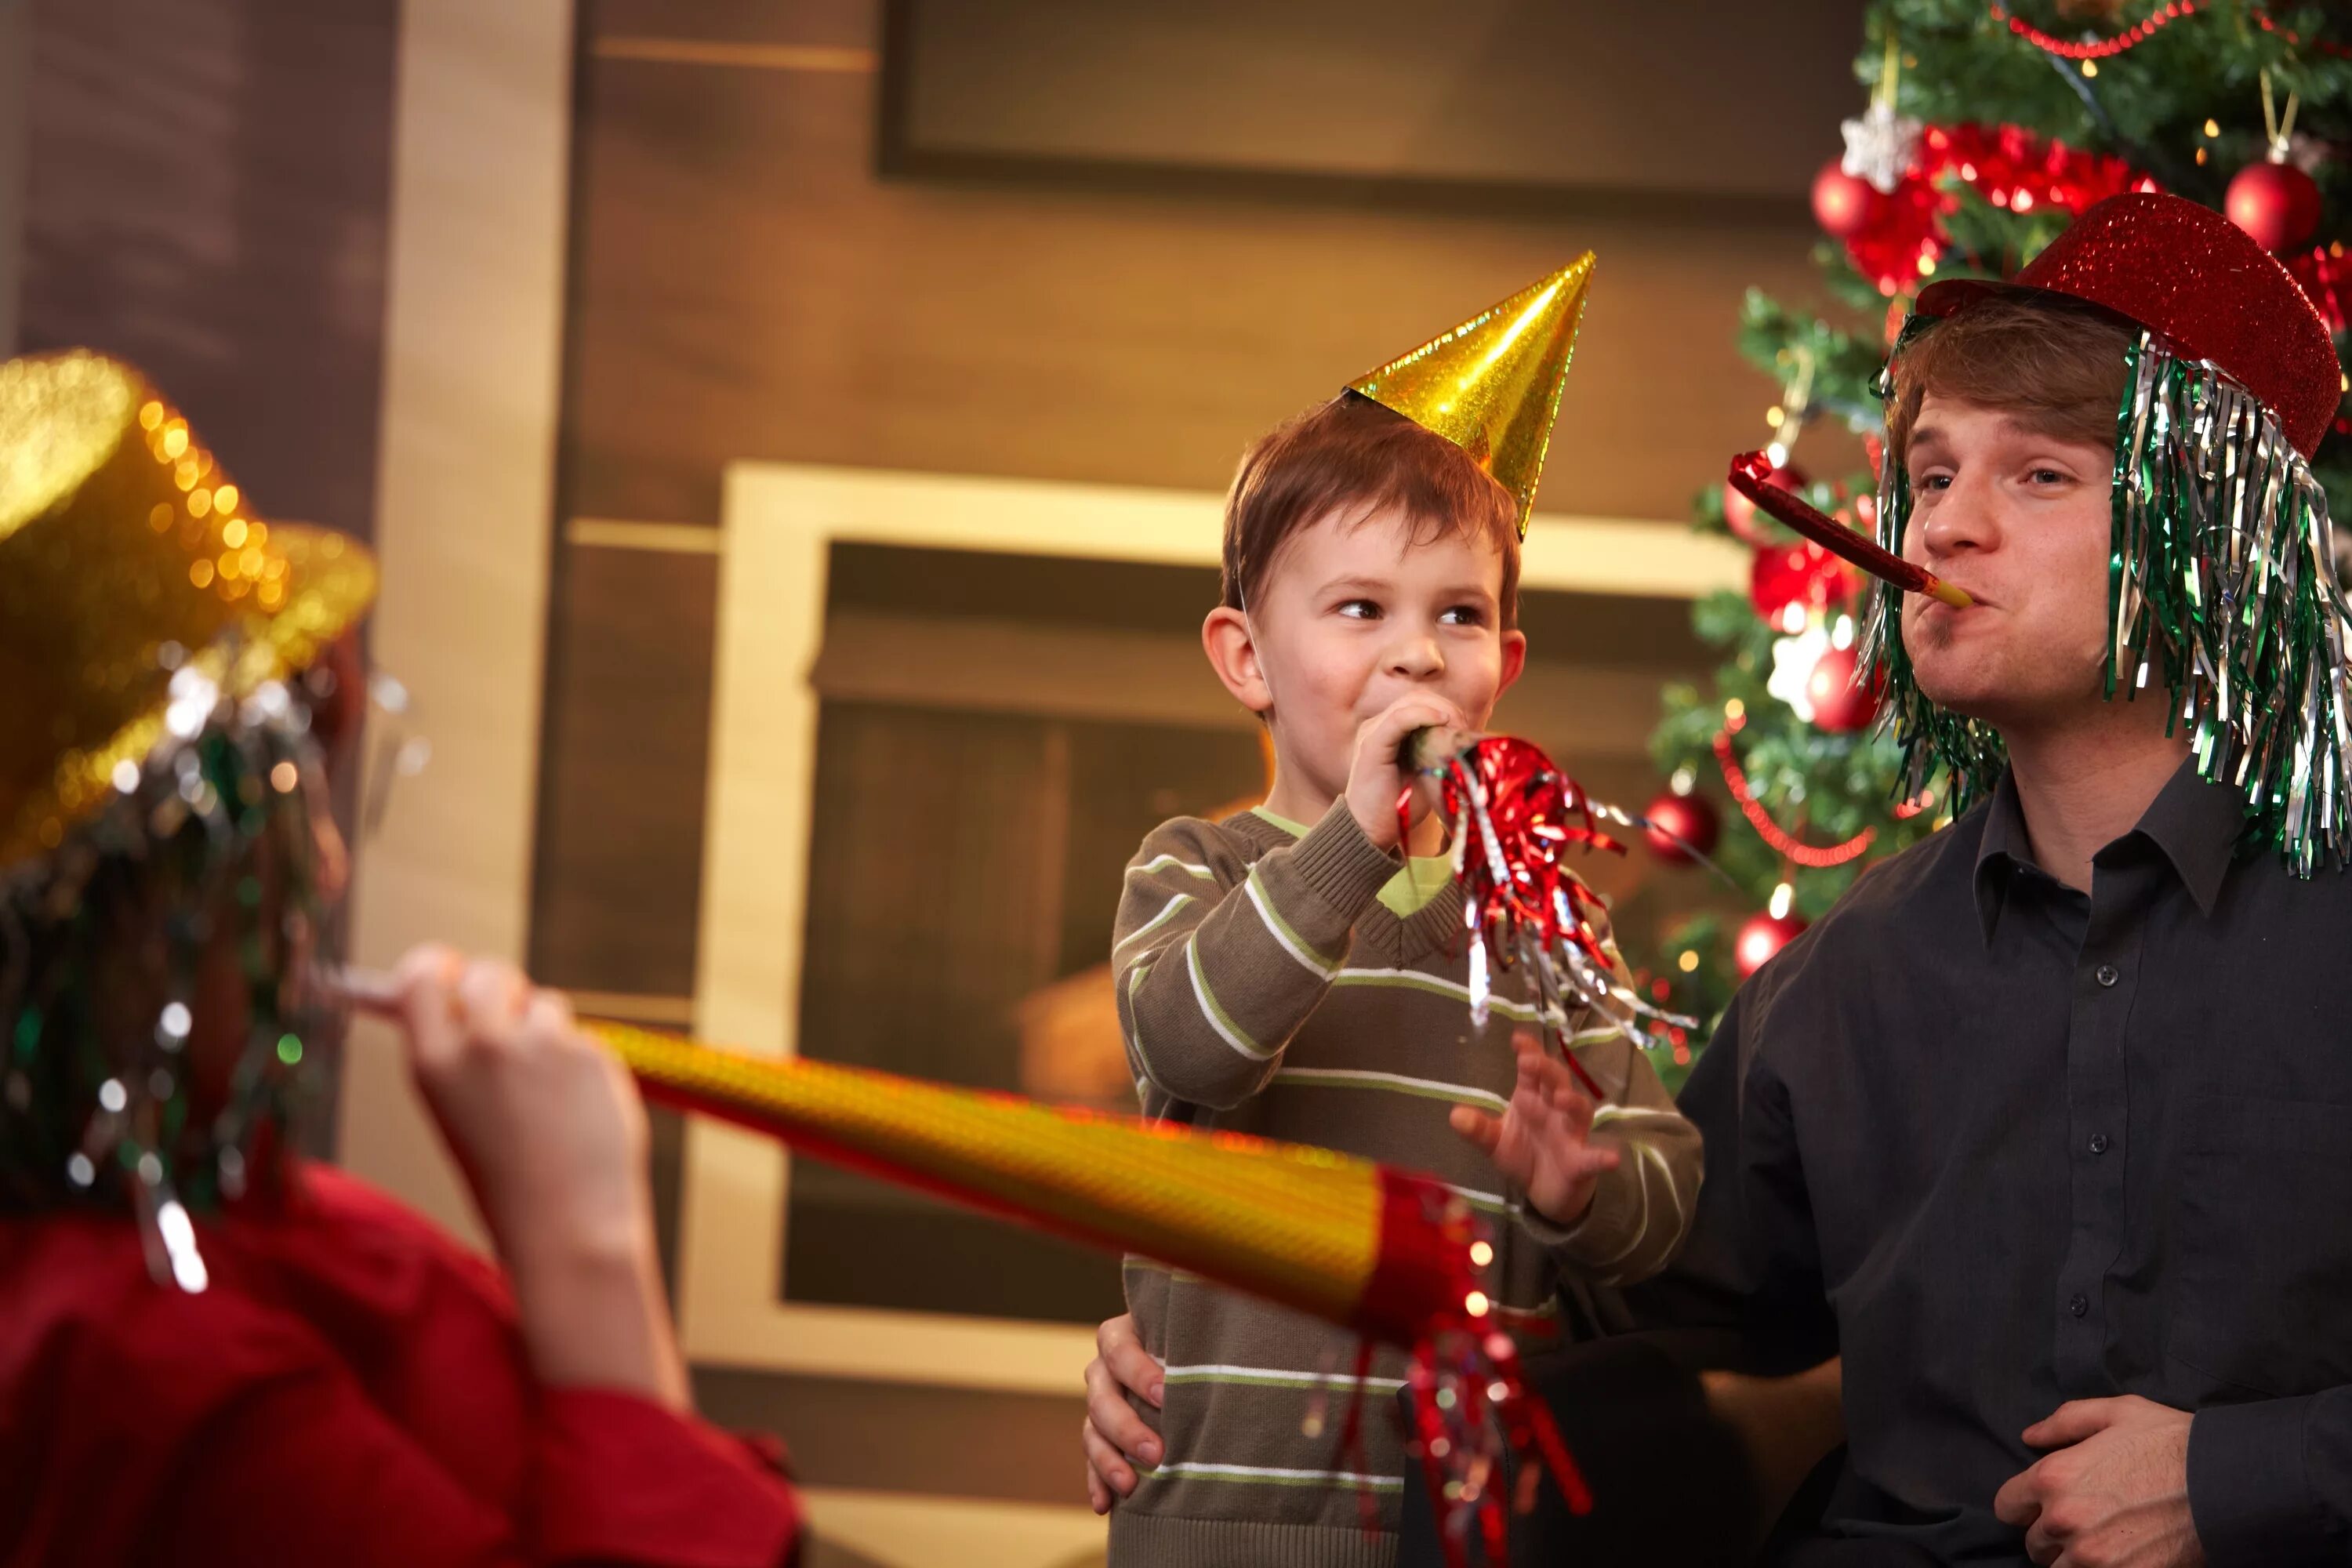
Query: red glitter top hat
pixel 2188 273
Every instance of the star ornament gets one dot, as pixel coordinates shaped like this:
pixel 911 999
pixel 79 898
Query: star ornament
pixel 1879 145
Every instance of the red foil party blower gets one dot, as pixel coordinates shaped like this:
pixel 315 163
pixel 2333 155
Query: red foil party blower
pixel 1750 475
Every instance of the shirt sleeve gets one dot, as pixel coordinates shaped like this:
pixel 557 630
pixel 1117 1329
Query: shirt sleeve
pixel 2270 1483
pixel 1217 964
pixel 1786 1315
pixel 300 1469
pixel 1642 1210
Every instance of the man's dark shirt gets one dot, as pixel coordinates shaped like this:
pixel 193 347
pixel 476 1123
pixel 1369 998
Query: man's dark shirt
pixel 2005 1145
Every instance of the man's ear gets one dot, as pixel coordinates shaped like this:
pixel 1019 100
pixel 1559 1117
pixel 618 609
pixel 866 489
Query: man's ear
pixel 1515 660
pixel 1233 654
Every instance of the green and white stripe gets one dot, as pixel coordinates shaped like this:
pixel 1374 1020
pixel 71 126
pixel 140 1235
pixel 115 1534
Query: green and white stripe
pixel 1275 1377
pixel 1227 1030
pixel 1272 1475
pixel 1175 906
pixel 1279 929
pixel 1393 1083
pixel 1171 863
pixel 1436 985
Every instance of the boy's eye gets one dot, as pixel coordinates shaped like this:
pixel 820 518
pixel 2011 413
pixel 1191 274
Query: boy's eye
pixel 1464 615
pixel 1360 609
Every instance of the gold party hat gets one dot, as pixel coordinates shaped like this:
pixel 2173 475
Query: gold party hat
pixel 1492 384
pixel 125 557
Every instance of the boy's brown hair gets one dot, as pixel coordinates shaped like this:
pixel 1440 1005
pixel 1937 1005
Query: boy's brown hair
pixel 1352 452
pixel 2054 365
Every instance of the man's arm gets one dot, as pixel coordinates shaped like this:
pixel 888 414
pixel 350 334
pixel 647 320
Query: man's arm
pixel 1750 1266
pixel 1785 1316
pixel 2271 1482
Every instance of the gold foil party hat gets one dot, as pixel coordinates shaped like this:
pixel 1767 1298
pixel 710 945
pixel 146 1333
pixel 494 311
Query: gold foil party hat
pixel 126 558
pixel 1492 384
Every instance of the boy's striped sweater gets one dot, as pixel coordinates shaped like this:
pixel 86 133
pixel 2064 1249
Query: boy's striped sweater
pixel 1297 987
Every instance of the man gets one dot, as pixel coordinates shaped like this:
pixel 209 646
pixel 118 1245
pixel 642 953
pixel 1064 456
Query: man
pixel 2047 1129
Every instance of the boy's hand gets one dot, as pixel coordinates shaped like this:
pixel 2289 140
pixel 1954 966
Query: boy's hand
pixel 1374 779
pixel 1543 1140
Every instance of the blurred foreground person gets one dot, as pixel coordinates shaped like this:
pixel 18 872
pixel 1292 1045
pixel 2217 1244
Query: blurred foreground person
pixel 212 1351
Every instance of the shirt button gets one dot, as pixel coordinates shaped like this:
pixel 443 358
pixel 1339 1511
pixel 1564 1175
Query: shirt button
pixel 2098 1142
pixel 2107 976
pixel 2079 1305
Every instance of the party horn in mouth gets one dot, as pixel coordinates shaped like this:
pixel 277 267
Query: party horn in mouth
pixel 1751 477
pixel 1396 1256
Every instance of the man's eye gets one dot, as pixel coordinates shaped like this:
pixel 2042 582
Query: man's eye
pixel 1935 482
pixel 2049 477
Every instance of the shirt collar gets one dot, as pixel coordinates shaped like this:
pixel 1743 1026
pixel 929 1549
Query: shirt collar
pixel 2200 827
pixel 2196 825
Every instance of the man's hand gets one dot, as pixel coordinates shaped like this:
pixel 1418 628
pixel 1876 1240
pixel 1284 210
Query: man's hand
pixel 1374 779
pixel 1115 1438
pixel 1543 1140
pixel 2115 1490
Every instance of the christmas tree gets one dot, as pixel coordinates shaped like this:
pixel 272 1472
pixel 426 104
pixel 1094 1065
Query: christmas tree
pixel 1981 132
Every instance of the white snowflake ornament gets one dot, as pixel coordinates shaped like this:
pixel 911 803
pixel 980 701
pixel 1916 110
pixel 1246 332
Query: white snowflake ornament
pixel 1879 145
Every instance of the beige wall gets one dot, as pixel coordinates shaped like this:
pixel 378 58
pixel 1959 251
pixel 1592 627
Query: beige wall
pixel 463 517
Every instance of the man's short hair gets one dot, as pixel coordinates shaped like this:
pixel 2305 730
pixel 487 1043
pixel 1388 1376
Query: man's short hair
pixel 2054 365
pixel 1352 453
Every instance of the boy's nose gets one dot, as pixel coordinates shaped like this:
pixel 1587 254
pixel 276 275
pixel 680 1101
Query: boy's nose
pixel 1417 656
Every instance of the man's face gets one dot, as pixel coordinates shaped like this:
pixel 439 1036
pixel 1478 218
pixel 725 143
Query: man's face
pixel 1355 615
pixel 2019 518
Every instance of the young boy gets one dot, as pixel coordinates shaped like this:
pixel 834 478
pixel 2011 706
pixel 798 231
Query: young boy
pixel 1283 973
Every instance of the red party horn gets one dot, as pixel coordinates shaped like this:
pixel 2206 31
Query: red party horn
pixel 1751 477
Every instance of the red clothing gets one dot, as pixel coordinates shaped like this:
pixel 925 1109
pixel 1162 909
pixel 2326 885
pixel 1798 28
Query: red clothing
pixel 350 1390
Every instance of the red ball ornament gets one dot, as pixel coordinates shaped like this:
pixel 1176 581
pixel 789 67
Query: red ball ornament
pixel 1842 702
pixel 1843 204
pixel 1689 817
pixel 1762 936
pixel 1800 574
pixel 2277 204
pixel 1739 512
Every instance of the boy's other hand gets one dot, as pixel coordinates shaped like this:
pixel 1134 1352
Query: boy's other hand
pixel 1543 1140
pixel 1115 1438
pixel 1374 777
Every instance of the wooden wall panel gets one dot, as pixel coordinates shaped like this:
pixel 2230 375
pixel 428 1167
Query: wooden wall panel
pixel 207 191
pixel 626 734
pixel 746 287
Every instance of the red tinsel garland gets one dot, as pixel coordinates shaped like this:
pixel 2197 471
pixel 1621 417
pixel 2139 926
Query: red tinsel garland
pixel 2006 165
pixel 1812 856
pixel 2139 32
pixel 2155 21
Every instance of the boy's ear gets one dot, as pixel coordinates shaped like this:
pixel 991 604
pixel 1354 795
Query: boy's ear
pixel 1233 654
pixel 1515 659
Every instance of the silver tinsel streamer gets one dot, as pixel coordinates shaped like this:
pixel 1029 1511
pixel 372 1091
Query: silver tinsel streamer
pixel 95 1114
